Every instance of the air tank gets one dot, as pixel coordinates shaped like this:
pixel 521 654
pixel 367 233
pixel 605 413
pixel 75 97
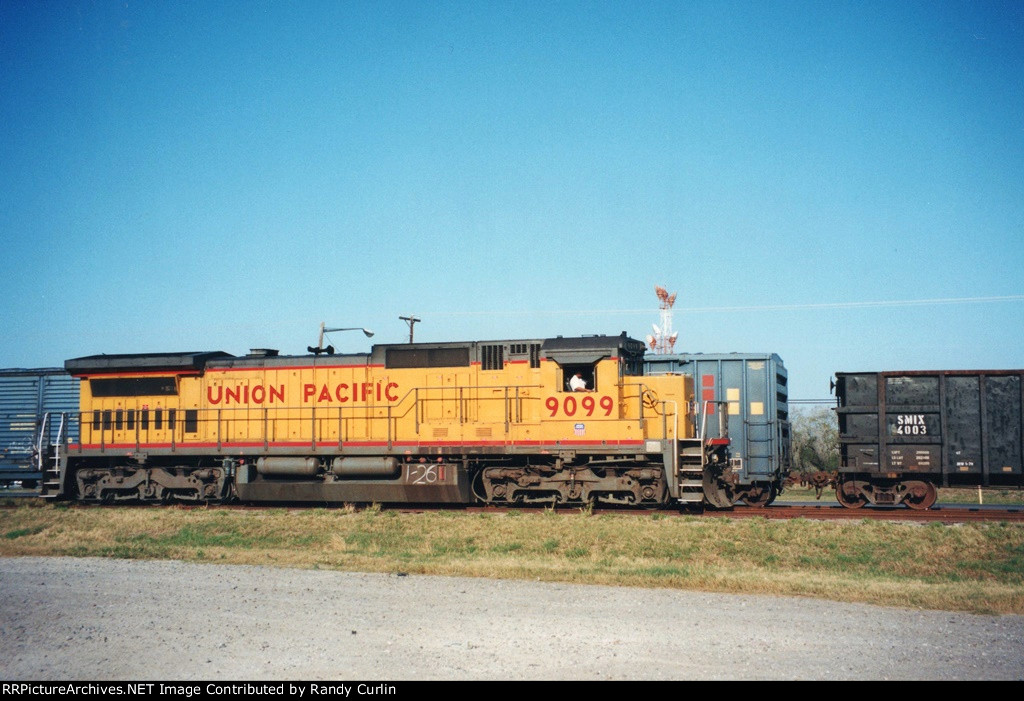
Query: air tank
pixel 365 467
pixel 306 467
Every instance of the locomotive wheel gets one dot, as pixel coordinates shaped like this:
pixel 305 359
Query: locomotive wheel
pixel 920 495
pixel 850 501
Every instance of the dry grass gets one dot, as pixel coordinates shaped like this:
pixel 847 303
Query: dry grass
pixel 976 568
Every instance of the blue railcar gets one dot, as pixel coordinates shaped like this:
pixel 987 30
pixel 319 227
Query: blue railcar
pixel 26 395
pixel 751 389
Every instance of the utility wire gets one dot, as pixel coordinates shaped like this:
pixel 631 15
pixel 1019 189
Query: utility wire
pixel 752 308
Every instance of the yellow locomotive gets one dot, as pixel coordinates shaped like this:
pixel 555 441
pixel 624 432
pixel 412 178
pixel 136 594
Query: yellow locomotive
pixel 558 420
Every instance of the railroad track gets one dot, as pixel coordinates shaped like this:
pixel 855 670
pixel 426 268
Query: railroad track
pixel 817 511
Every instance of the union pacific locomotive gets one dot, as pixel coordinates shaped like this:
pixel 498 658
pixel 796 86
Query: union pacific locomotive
pixel 490 421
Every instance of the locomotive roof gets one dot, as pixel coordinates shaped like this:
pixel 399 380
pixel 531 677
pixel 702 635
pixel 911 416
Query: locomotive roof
pixel 622 343
pixel 140 362
pixel 560 348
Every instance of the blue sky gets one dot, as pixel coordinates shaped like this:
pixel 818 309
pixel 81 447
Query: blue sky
pixel 221 176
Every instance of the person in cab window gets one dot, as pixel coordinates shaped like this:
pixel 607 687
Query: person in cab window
pixel 577 383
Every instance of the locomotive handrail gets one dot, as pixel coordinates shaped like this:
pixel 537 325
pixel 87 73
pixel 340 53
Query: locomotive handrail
pixel 723 426
pixel 38 456
pixel 39 439
pixel 266 424
pixel 105 427
pixel 675 434
pixel 418 403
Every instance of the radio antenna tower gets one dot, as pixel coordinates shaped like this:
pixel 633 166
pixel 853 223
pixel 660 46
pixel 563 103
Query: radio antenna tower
pixel 664 338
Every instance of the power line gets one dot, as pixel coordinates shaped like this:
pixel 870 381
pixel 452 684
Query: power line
pixel 860 305
pixel 755 308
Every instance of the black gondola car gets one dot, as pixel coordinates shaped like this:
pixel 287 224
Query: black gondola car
pixel 904 434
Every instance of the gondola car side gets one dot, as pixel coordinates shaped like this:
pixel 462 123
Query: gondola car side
pixel 905 434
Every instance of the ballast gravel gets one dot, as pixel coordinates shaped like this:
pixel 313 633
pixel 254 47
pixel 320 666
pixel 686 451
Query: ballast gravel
pixel 102 619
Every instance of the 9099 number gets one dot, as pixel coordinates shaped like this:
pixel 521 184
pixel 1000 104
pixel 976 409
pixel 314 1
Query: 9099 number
pixel 570 406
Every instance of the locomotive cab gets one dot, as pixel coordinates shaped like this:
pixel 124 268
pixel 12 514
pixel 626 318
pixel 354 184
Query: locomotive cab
pixel 583 357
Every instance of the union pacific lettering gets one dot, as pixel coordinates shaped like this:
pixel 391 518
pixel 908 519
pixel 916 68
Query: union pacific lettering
pixel 344 392
pixel 340 393
pixel 244 394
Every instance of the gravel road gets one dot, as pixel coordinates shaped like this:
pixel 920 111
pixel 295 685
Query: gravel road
pixel 98 619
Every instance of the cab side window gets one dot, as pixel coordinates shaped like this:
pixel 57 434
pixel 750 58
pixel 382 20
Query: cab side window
pixel 587 376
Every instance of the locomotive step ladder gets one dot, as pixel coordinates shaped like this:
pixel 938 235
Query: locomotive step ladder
pixel 49 456
pixel 697 457
pixel 690 476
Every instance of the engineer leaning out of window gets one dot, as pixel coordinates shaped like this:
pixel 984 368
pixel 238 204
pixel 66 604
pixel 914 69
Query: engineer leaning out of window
pixel 577 383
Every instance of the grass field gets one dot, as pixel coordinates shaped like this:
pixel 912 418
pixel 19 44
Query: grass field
pixel 978 568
